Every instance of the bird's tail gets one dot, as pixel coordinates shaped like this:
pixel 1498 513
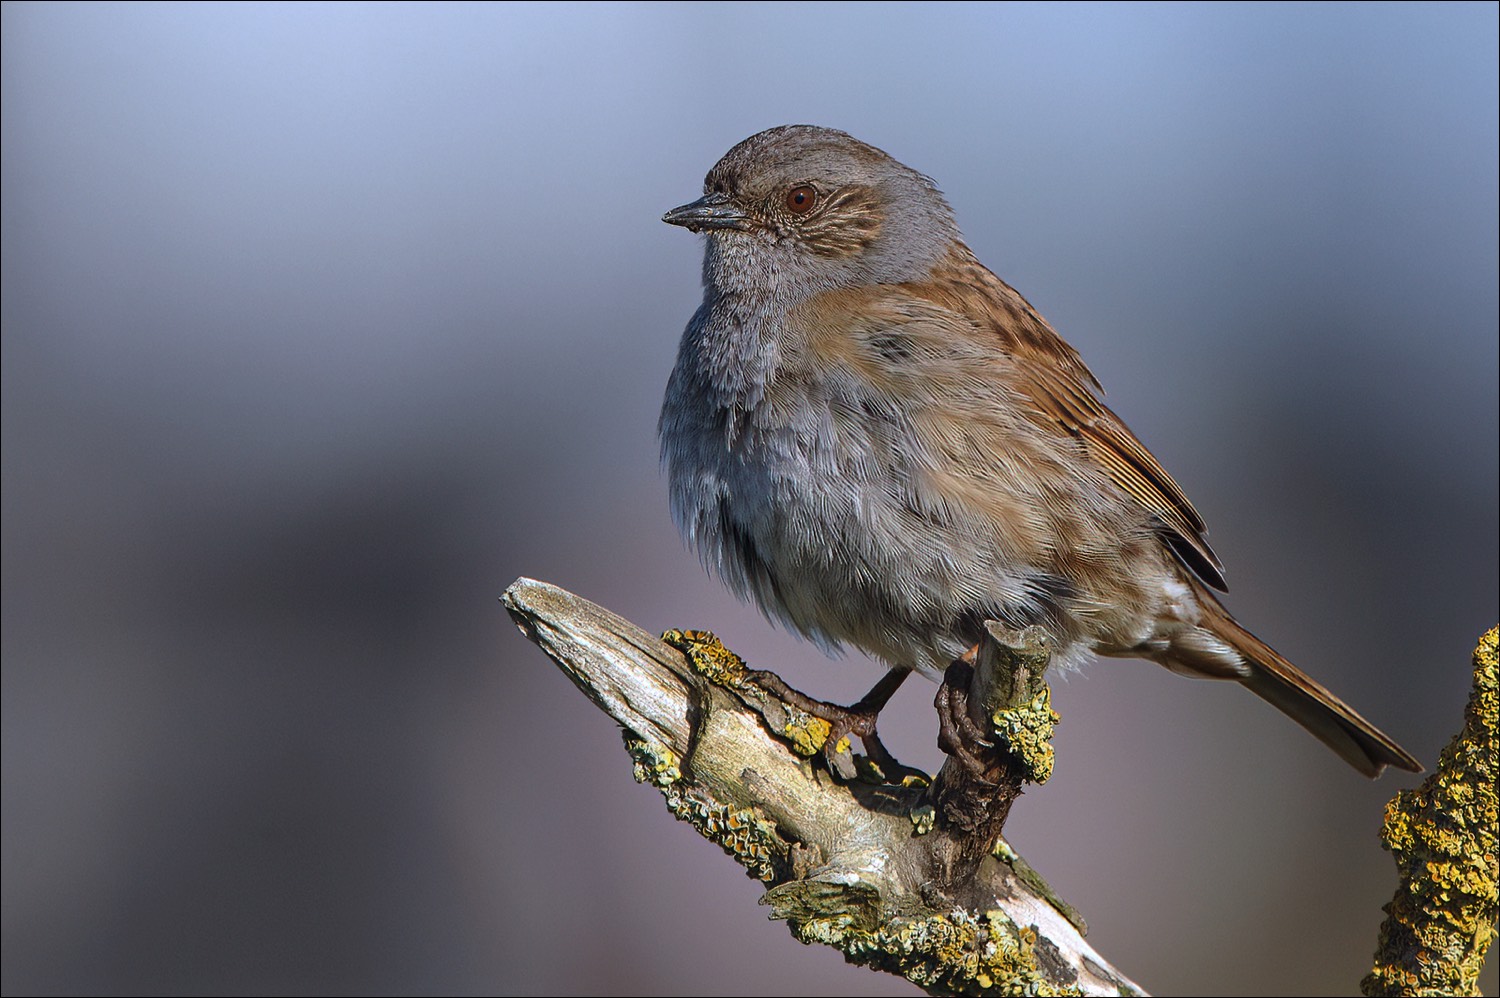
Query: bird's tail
pixel 1304 700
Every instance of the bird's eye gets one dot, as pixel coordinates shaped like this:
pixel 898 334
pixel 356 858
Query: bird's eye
pixel 800 200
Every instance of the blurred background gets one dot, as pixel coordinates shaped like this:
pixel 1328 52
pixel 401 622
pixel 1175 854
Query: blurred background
pixel 323 323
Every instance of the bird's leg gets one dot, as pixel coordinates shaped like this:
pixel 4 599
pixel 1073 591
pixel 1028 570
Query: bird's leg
pixel 858 720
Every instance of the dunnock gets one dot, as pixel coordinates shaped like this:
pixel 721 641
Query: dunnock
pixel 884 445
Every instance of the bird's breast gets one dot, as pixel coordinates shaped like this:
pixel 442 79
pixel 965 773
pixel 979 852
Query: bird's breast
pixel 807 491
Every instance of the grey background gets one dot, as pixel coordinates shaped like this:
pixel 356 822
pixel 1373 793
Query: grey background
pixel 324 323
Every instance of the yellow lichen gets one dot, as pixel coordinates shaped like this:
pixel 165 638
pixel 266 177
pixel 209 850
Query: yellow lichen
pixel 954 953
pixel 706 653
pixel 871 771
pixel 807 734
pixel 654 763
pixel 1026 733
pixel 743 833
pixel 1445 840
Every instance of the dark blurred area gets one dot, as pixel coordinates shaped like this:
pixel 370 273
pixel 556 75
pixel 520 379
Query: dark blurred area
pixel 323 323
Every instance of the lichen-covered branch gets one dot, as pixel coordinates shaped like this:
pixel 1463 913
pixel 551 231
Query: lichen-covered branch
pixel 1444 837
pixel 911 878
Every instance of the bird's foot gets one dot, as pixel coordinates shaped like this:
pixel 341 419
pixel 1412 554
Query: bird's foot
pixel 858 720
pixel 958 735
pixel 1017 734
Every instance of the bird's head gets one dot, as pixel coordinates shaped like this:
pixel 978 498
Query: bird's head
pixel 798 209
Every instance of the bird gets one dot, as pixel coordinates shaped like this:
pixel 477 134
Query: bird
pixel 884 445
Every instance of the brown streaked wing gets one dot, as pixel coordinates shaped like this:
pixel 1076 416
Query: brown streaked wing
pixel 1063 387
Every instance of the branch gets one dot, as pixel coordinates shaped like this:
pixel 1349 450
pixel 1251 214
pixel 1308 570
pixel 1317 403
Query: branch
pixel 912 879
pixel 1444 837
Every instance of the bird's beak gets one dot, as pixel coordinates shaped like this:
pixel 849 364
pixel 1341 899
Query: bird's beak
pixel 711 211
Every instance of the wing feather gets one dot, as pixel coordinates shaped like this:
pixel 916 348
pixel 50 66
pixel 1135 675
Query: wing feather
pixel 1062 387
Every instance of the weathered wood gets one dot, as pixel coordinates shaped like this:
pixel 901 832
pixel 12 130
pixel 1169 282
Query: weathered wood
pixel 875 870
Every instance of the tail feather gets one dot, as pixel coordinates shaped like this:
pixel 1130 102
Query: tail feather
pixel 1304 700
